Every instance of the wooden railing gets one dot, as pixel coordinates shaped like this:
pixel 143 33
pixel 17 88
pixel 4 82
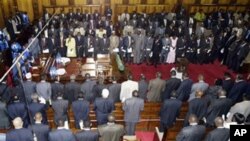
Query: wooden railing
pixel 208 8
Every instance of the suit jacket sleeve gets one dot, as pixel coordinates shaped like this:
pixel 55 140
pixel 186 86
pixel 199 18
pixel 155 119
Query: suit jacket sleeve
pixel 180 136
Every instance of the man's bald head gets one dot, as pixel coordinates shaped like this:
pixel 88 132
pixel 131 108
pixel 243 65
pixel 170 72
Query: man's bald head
pixel 18 123
pixel 219 122
pixel 38 117
pixel 111 118
pixel 222 93
pixel 199 94
pixel 193 119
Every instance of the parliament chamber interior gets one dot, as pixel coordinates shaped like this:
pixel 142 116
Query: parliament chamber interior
pixel 124 70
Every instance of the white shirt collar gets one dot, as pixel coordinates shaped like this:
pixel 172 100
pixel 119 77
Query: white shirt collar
pixel 60 128
pixel 193 124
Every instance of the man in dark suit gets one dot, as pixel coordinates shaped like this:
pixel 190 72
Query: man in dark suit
pixel 57 87
pixel 4 91
pixel 197 106
pixel 52 43
pixel 228 82
pixel 4 121
pixel 61 134
pixel 35 107
pixel 80 109
pixel 29 87
pixel 238 89
pixel 87 87
pixel 114 90
pixel 71 89
pixel 143 87
pixel 19 133
pixel 220 133
pixel 172 84
pixel 156 50
pixel 60 108
pixel 184 89
pixel 86 134
pixel 193 132
pixel 104 45
pixel 79 45
pixel 18 109
pixel 170 109
pixel 132 108
pixel 218 107
pixel 40 130
pixel 103 107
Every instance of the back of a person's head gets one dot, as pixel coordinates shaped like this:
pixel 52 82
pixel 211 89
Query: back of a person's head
pixel 143 77
pixel 60 123
pixel 38 117
pixel 59 95
pixel 17 123
pixel 43 77
pixel 200 77
pixel 238 118
pixel 87 76
pixel 192 119
pixel 173 73
pixel 184 75
pixel 173 94
pixel 135 93
pixel 34 97
pixel 218 82
pixel 219 122
pixel 130 77
pixel 111 118
pixel 80 95
pixel 86 124
pixel 239 77
pixel 72 77
pixel 227 75
pixel 158 74
pixel 105 93
pixel 222 93
pixel 199 94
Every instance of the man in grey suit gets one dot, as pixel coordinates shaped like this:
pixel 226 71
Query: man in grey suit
pixel 201 86
pixel 155 88
pixel 87 87
pixel 29 87
pixel 40 130
pixel 220 133
pixel 61 134
pixel 132 108
pixel 43 88
pixel 193 132
pixel 149 40
pixel 111 131
pixel 71 89
pixel 60 108
pixel 138 47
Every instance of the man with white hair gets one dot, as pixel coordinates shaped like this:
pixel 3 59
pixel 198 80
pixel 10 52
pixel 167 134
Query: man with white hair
pixel 29 86
pixel 103 107
pixel 19 133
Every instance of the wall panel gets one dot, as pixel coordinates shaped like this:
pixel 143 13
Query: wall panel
pixel 152 1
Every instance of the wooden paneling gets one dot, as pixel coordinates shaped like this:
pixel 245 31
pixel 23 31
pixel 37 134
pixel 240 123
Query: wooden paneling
pixel 152 1
pixel 224 1
pixel 78 2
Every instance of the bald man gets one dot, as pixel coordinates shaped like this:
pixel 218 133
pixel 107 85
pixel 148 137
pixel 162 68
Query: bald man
pixel 200 85
pixel 103 107
pixel 220 133
pixel 19 133
pixel 197 106
pixel 41 130
pixel 193 132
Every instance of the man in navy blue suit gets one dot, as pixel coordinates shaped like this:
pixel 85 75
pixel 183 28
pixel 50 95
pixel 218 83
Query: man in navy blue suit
pixel 87 134
pixel 238 89
pixel 41 130
pixel 61 134
pixel 19 133
pixel 170 109
pixel 184 90
pixel 80 109
pixel 103 107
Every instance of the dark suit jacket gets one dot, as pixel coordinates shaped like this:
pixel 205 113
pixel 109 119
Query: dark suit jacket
pixel 18 109
pixel 218 107
pixel 71 91
pixel 5 92
pixel 41 131
pixel 114 92
pixel 103 107
pixel 60 108
pixel 197 106
pixel 237 91
pixel 61 135
pixel 191 133
pixel 132 108
pixel 22 134
pixel 29 88
pixel 38 107
pixel 87 136
pixel 171 85
pixel 170 109
pixel 81 111
pixel 219 134
pixel 87 88
pixel 184 90
pixel 143 88
pixel 227 85
pixel 55 88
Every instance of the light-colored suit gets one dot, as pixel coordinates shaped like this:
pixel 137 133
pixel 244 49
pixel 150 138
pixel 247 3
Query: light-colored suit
pixel 137 50
pixel 127 87
pixel 132 108
pixel 114 42
pixel 43 89
pixel 155 88
pixel 241 107
pixel 201 86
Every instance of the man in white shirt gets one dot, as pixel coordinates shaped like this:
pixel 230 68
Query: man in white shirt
pixel 127 87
